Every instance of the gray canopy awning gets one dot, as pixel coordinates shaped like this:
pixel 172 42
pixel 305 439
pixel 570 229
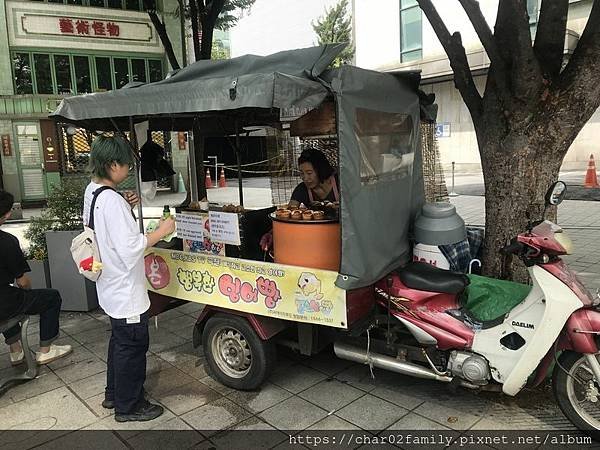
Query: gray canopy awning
pixel 206 87
pixel 377 117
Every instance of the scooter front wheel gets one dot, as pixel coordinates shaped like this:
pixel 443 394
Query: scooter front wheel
pixel 577 392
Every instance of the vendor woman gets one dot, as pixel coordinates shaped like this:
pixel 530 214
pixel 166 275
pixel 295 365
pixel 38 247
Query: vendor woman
pixel 319 183
pixel 318 180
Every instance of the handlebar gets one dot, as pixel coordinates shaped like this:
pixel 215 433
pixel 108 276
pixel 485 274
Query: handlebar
pixel 514 247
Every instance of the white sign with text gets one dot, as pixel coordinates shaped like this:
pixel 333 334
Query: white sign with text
pixel 224 227
pixel 190 226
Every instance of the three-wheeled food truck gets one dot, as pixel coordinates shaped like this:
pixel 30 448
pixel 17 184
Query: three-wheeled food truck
pixel 333 276
pixel 320 283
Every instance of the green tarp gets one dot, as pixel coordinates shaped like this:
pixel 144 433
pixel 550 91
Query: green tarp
pixel 488 298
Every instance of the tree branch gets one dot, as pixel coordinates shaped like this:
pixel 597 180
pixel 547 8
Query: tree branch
pixel 483 31
pixel 486 37
pixel 216 6
pixel 513 37
pixel 584 66
pixel 550 36
pixel 195 20
pixel 463 79
pixel 162 33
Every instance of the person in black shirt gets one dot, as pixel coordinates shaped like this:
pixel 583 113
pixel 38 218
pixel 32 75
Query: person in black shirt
pixel 319 182
pixel 17 297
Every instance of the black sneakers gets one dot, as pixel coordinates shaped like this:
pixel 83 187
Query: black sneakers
pixel 110 404
pixel 145 411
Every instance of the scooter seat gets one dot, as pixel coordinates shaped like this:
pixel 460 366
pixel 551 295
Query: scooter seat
pixel 425 277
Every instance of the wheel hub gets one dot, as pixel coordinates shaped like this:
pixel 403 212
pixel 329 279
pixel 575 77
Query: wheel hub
pixel 232 352
pixel 591 393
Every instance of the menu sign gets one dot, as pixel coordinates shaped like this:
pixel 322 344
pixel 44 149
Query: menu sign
pixel 225 227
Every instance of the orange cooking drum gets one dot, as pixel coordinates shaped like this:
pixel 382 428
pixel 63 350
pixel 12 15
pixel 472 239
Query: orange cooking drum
pixel 313 244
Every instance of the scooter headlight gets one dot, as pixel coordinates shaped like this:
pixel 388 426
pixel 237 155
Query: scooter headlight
pixel 565 241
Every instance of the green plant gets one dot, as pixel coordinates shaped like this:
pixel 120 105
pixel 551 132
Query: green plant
pixel 63 213
pixel 336 26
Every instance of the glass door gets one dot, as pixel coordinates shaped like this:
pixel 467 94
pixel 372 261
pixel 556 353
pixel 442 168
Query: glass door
pixel 30 161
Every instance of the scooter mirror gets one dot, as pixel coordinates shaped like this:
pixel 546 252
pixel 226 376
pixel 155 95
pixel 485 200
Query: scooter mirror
pixel 556 193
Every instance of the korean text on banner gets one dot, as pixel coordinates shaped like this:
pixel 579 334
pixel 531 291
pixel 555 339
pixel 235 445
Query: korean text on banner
pixel 284 292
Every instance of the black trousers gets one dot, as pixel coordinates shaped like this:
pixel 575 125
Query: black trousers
pixel 46 303
pixel 126 364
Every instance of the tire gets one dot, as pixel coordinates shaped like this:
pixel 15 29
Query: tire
pixel 567 391
pixel 250 359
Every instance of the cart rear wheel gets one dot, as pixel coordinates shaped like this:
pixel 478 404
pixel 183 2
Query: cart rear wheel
pixel 235 355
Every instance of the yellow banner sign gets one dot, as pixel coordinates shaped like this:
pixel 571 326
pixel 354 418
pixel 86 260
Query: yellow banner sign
pixel 285 292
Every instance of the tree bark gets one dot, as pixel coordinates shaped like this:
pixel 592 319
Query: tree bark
pixel 208 19
pixel 511 202
pixel 199 152
pixel 159 26
pixel 207 39
pixel 195 20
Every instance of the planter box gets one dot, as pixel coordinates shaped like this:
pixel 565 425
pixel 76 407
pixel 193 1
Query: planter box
pixel 77 292
pixel 40 273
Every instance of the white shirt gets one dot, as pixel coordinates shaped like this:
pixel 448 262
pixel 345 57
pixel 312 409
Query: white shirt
pixel 121 288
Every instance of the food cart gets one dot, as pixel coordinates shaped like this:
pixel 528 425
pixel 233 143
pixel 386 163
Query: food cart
pixel 320 285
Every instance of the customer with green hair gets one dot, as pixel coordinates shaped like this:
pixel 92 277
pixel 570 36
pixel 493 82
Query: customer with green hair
pixel 121 288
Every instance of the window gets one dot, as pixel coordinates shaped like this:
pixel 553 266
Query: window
pixel 83 81
pixel 121 72
pixel 103 73
pixel 39 73
pixel 43 74
pixel 132 5
pixel 22 73
pixel 62 69
pixel 411 40
pixel 386 145
pixel 155 70
pixel 138 70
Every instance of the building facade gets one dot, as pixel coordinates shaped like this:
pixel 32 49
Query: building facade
pixel 50 49
pixel 405 40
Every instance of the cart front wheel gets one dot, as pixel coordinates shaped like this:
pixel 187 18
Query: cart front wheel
pixel 235 354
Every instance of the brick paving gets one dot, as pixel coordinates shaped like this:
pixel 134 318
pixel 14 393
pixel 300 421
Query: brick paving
pixel 316 393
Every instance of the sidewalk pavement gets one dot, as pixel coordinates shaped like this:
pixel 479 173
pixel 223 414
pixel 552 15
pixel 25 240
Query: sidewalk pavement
pixel 317 393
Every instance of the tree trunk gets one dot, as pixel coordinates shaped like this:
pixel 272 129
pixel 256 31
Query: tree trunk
pixel 195 20
pixel 159 26
pixel 207 38
pixel 517 171
pixel 199 152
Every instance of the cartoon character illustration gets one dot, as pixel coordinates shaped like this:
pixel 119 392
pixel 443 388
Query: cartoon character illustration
pixel 302 306
pixel 157 271
pixel 310 286
pixel 326 307
pixel 89 265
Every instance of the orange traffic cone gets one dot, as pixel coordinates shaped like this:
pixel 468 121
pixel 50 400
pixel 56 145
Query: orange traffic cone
pixel 591 179
pixel 222 182
pixel 207 180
